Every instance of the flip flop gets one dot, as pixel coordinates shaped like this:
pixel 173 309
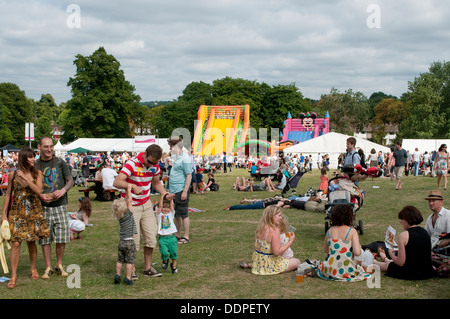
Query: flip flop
pixel 184 240
pixel 244 265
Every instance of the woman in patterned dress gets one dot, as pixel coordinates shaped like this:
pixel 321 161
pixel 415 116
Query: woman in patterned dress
pixel 267 259
pixel 441 165
pixel 26 216
pixel 341 244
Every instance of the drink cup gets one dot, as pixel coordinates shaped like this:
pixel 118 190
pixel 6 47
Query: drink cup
pixel 299 275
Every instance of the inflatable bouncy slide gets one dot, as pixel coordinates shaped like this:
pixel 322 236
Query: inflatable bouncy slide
pixel 304 128
pixel 220 129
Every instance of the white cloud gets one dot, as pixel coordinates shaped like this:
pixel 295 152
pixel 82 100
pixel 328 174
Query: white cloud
pixel 164 45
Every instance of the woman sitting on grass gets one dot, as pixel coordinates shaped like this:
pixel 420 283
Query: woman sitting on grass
pixel 267 258
pixel 413 259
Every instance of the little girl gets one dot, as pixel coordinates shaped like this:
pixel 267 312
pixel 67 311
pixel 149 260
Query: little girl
pixel 168 243
pixel 79 219
pixel 323 180
pixel 267 258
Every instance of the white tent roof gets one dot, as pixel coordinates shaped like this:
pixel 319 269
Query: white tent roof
pixel 423 145
pixel 333 143
pixel 113 145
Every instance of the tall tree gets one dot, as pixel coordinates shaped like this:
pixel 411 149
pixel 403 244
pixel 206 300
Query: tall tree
pixel 16 110
pixel 103 102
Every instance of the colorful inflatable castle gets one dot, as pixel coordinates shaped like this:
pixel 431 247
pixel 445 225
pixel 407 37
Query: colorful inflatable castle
pixel 304 128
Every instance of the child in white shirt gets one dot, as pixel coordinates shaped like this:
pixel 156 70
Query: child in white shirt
pixel 168 243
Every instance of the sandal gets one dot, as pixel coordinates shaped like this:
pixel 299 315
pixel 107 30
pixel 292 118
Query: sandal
pixel 12 282
pixel 60 271
pixel 48 272
pixel 184 240
pixel 244 265
pixel 34 274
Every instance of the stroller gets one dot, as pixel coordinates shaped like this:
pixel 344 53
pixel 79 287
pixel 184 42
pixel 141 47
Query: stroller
pixel 292 183
pixel 342 196
pixel 77 176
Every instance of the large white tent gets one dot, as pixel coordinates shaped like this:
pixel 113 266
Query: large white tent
pixel 332 144
pixel 112 145
pixel 424 145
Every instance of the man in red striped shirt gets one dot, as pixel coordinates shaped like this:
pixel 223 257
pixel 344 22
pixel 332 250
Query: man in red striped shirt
pixel 142 171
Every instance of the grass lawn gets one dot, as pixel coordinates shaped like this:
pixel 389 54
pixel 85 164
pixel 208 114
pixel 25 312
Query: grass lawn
pixel 209 265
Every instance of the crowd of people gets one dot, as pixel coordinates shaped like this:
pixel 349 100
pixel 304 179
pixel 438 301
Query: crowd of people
pixel 38 185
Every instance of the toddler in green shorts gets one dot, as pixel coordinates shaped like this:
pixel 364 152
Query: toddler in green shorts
pixel 168 243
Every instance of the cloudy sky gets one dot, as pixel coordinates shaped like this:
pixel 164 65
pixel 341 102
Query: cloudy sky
pixel 162 46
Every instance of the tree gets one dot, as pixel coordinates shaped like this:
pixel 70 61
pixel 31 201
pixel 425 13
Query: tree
pixel 16 110
pixel 427 102
pixel 349 111
pixel 103 102
pixel 387 111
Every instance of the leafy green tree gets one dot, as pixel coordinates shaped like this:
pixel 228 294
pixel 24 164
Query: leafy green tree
pixel 349 111
pixel 103 102
pixel 428 113
pixel 16 110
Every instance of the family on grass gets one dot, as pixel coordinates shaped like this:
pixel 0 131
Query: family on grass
pixel 412 260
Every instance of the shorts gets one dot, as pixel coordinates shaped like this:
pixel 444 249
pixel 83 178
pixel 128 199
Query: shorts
pixel 126 251
pixel 168 247
pixel 86 173
pixel 399 172
pixel 146 224
pixel 58 223
pixel 262 186
pixel 181 207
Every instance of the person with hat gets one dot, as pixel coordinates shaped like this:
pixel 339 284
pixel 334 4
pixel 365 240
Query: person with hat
pixel 439 221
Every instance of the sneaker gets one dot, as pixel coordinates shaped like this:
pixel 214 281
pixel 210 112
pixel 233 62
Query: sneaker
pixel 152 273
pixel 174 271
pixel 60 271
pixel 117 279
pixel 165 263
pixel 127 281
pixel 133 275
pixel 48 272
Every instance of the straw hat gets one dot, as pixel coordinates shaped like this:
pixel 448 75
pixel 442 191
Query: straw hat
pixel 435 195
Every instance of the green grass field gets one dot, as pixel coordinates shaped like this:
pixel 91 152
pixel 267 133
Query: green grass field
pixel 209 265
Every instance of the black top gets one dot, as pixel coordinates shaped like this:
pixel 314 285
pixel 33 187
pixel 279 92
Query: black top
pixel 418 257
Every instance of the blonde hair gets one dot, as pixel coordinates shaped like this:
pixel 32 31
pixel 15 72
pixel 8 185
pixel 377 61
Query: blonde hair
pixel 119 208
pixel 267 219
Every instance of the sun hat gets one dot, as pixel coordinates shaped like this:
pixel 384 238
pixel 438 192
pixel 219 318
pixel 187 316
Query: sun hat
pixel 436 194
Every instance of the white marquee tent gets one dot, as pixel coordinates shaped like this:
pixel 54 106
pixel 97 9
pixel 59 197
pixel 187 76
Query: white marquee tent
pixel 111 145
pixel 423 145
pixel 332 144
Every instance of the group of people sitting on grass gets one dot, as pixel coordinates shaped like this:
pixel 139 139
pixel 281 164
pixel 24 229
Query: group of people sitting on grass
pixel 412 259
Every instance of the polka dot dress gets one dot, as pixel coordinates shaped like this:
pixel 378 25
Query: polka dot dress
pixel 339 264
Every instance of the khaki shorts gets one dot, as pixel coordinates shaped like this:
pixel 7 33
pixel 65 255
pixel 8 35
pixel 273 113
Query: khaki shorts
pixel 399 172
pixel 146 224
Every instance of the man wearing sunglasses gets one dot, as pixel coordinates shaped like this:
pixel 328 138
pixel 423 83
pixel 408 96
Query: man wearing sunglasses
pixel 142 172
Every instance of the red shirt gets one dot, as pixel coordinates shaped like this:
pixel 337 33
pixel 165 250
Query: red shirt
pixel 141 176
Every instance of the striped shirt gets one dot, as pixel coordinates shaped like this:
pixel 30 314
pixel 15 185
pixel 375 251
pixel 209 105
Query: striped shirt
pixel 141 176
pixel 127 225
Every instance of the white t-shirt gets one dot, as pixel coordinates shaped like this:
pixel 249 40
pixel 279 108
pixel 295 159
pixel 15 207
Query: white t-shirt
pixel 416 156
pixel 442 225
pixel 108 176
pixel 166 226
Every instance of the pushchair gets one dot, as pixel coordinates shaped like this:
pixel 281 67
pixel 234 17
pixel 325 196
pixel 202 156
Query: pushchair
pixel 77 176
pixel 339 197
pixel 291 184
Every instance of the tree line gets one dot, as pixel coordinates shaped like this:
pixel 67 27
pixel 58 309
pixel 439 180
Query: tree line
pixel 105 105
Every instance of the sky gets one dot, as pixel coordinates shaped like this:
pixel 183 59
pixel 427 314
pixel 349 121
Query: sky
pixel 162 46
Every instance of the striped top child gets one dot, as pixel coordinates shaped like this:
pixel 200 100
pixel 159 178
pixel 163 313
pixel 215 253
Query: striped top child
pixel 141 176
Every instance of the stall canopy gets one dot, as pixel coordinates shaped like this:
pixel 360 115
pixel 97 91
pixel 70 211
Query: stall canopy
pixel 332 144
pixel 10 148
pixel 79 150
pixel 113 145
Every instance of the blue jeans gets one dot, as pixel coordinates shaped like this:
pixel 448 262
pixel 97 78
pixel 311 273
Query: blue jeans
pixel 256 205
pixel 416 168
